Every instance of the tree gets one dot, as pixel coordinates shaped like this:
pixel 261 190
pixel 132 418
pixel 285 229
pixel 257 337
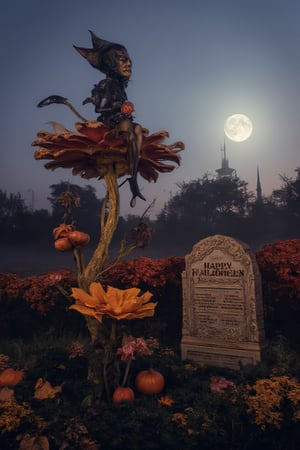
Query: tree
pixel 12 211
pixel 204 207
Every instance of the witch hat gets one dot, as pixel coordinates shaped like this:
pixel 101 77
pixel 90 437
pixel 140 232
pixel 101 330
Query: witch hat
pixel 95 55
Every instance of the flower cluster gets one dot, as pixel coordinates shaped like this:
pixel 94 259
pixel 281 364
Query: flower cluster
pixel 12 414
pixel 279 264
pixel 220 384
pixel 39 291
pixel 138 346
pixel 271 401
pixel 144 270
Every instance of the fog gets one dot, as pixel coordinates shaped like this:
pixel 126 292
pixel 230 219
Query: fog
pixel 28 260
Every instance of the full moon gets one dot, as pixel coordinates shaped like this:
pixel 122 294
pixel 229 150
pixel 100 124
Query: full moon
pixel 238 127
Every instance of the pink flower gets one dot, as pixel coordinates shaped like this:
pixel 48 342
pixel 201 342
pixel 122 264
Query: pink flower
pixel 219 384
pixel 137 346
pixel 54 278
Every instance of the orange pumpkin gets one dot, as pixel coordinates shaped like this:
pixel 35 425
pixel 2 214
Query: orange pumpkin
pixel 127 108
pixel 122 394
pixel 63 244
pixel 78 237
pixel 149 382
pixel 11 377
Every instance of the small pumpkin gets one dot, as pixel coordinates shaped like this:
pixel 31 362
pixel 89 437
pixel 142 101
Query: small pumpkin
pixel 149 382
pixel 78 237
pixel 11 377
pixel 127 108
pixel 63 244
pixel 122 394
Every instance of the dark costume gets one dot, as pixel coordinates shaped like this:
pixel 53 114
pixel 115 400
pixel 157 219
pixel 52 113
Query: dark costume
pixel 109 96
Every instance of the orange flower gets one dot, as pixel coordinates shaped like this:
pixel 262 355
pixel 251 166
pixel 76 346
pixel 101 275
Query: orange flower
pixel 166 401
pixel 95 147
pixel 11 377
pixel 115 303
pixel 43 390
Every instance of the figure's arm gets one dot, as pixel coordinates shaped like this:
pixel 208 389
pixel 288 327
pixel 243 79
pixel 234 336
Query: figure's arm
pixel 102 98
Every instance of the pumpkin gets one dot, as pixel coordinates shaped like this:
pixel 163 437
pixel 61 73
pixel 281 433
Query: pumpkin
pixel 11 377
pixel 149 382
pixel 78 237
pixel 127 108
pixel 63 244
pixel 122 394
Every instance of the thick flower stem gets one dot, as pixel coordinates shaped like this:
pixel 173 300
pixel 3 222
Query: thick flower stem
pixel 109 222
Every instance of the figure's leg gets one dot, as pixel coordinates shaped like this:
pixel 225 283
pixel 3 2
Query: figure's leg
pixel 134 139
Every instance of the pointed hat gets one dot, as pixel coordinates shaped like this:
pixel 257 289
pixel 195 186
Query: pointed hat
pixel 94 55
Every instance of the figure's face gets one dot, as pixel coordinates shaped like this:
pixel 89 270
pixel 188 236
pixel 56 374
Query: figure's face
pixel 124 63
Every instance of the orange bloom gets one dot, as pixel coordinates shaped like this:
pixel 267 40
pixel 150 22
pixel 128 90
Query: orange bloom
pixel 95 146
pixel 115 303
pixel 166 401
pixel 43 390
pixel 11 377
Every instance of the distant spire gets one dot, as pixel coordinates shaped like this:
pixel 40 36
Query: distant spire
pixel 258 188
pixel 225 170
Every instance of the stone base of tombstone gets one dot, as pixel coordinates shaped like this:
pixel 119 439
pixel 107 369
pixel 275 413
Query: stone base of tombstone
pixel 215 353
pixel 222 304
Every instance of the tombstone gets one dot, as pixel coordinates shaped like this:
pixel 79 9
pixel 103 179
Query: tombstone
pixel 222 304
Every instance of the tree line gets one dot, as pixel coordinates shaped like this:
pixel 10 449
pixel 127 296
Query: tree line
pixel 203 207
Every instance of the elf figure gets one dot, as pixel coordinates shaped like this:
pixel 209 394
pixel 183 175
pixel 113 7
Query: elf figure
pixel 110 99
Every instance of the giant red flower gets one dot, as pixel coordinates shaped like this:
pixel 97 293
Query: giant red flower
pixel 94 147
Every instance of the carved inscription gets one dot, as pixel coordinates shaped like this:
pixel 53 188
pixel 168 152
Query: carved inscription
pixel 218 312
pixel 222 303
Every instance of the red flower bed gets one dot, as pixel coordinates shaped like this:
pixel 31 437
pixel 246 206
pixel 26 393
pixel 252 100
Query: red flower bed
pixel 39 291
pixel 279 264
pixel 154 273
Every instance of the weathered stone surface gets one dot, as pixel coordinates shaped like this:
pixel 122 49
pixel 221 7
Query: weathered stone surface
pixel 222 304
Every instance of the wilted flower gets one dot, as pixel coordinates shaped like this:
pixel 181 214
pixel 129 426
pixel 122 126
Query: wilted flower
pixel 115 303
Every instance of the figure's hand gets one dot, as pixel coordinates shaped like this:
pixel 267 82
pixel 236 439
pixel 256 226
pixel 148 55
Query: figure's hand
pixel 127 109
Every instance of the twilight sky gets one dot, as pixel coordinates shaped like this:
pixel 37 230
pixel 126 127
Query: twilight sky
pixel 195 62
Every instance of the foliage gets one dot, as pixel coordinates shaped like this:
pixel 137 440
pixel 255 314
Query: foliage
pixel 279 264
pixel 39 291
pixel 256 412
pixel 144 271
pixel 274 401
